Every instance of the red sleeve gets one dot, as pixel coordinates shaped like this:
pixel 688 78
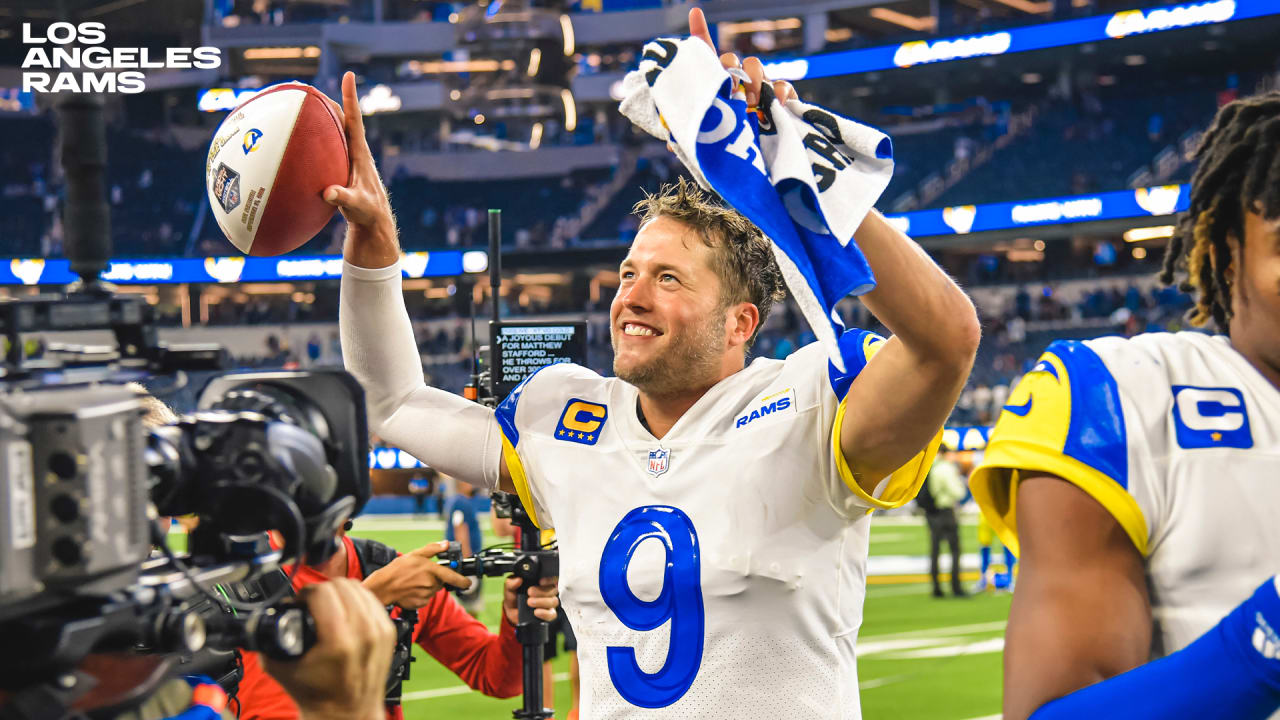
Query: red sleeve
pixel 492 664
pixel 260 696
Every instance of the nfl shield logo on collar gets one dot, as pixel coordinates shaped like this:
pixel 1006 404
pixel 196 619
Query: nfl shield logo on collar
pixel 659 460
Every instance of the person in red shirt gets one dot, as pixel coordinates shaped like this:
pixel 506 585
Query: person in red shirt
pixel 487 662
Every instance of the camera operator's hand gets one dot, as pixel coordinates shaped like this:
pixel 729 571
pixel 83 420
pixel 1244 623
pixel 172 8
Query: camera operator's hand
pixel 371 228
pixel 544 599
pixel 411 579
pixel 344 676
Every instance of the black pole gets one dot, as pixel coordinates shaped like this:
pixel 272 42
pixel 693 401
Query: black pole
pixel 86 216
pixel 532 633
pixel 495 261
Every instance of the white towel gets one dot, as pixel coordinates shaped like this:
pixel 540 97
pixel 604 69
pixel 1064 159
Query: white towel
pixel 804 175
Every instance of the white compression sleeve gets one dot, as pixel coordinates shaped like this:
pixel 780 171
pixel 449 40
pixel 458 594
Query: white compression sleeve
pixel 455 436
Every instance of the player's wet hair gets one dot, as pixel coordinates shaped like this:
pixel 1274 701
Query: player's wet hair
pixel 157 413
pixel 742 256
pixel 1239 167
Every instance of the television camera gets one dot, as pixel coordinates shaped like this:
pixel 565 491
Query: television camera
pixel 95 608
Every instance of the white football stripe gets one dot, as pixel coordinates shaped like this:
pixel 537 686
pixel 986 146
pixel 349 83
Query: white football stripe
pixel 274 115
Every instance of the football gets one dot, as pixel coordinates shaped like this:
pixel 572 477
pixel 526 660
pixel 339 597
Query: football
pixel 268 166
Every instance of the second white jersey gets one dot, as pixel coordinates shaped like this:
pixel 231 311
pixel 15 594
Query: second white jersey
pixel 1178 437
pixel 718 572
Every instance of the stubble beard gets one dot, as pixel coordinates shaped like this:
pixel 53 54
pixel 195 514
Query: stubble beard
pixel 690 361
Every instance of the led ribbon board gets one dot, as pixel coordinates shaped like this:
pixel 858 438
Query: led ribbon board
pixel 1112 26
pixel 38 271
pixel 1156 201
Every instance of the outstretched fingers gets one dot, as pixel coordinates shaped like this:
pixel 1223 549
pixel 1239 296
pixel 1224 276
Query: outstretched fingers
pixel 698 27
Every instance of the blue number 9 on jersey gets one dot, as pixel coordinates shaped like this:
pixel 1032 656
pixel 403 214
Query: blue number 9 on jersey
pixel 680 602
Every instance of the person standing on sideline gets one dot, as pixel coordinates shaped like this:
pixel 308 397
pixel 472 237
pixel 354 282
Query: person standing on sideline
pixel 947 489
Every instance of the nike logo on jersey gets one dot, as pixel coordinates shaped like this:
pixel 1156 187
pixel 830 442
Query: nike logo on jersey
pixel 1210 417
pixel 1045 366
pixel 772 404
pixel 1020 410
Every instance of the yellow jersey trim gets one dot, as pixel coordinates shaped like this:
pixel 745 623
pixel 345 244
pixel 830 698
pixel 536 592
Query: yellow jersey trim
pixel 1021 458
pixel 904 483
pixel 519 478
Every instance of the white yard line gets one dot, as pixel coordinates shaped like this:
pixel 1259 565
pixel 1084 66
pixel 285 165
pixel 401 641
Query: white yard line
pixel 990 645
pixel 928 632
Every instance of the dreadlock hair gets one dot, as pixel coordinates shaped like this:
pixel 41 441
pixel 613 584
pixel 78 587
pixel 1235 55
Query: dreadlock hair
pixel 742 256
pixel 1239 168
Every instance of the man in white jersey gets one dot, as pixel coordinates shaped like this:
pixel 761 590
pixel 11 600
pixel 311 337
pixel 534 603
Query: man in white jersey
pixel 755 482
pixel 1139 479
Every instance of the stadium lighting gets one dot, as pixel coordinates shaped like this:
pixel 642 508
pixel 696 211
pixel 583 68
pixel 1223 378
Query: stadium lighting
pixel 511 94
pixel 380 98
pixel 570 110
pixel 566 25
pixel 1139 253
pixel 792 23
pixel 479 118
pixel 443 66
pixel 1026 6
pixel 281 53
pixel 910 22
pixel 535 61
pixel 535 136
pixel 1159 232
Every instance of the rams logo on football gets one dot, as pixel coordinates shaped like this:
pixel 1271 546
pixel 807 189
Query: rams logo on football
pixel 251 138
pixel 581 422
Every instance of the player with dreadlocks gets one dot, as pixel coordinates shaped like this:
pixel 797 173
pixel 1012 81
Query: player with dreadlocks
pixel 1138 479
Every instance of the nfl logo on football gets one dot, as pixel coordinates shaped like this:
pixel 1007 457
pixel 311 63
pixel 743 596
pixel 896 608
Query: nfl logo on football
pixel 659 460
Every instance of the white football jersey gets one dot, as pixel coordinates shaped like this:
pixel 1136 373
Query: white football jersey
pixel 1178 437
pixel 718 572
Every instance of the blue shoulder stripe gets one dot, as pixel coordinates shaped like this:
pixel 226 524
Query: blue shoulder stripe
pixel 1096 435
pixel 506 410
pixel 853 348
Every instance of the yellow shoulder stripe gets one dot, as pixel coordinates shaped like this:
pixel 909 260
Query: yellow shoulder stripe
pixel 519 478
pixel 904 483
pixel 1007 462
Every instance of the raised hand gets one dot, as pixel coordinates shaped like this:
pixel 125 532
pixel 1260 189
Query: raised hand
pixel 752 66
pixel 371 228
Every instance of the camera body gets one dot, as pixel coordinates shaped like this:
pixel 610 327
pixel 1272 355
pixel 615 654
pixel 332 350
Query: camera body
pixel 72 459
pixel 85 478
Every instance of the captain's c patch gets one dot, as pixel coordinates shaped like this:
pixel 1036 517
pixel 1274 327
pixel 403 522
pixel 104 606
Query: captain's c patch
pixel 581 422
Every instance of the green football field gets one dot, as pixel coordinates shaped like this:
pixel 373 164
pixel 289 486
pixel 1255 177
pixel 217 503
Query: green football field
pixel 918 656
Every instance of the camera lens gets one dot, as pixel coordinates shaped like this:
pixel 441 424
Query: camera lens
pixel 62 464
pixel 66 508
pixel 67 551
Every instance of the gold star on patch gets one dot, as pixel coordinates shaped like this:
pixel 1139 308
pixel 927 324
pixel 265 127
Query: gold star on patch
pixel 1217 437
pixel 561 433
pixel 591 437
